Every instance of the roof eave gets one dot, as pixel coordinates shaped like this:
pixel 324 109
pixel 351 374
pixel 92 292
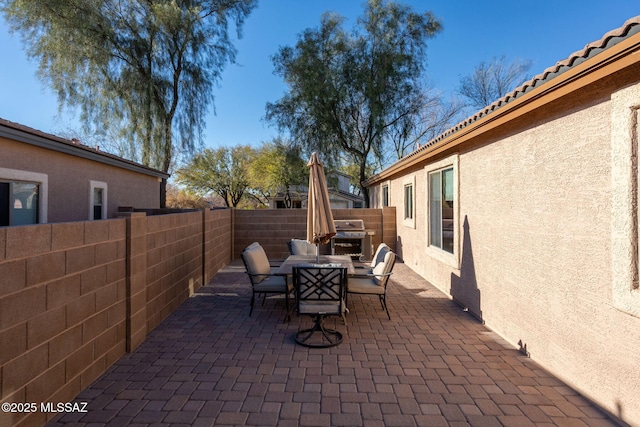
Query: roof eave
pixel 50 142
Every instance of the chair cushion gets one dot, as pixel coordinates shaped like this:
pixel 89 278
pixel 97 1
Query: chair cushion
pixel 384 267
pixel 272 284
pixel 257 262
pixel 364 285
pixel 302 247
pixel 379 269
pixel 253 245
pixel 319 307
pixel 381 251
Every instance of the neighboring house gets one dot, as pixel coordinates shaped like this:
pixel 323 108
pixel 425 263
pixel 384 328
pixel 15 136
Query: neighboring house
pixel 339 194
pixel 526 214
pixel 44 178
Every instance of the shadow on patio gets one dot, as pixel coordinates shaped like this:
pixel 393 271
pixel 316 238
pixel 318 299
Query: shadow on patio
pixel 209 363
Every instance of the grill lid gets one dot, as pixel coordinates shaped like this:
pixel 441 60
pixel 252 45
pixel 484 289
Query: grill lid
pixel 349 235
pixel 347 225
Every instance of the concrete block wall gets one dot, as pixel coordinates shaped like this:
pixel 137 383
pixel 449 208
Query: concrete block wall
pixel 389 227
pixel 74 297
pixel 136 279
pixel 62 310
pixel 271 227
pixel 174 262
pixel 274 227
pixel 218 232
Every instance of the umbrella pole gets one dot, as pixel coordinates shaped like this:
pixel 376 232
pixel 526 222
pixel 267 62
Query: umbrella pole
pixel 317 253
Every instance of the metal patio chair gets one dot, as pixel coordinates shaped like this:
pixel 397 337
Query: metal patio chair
pixel 319 293
pixel 263 280
pixel 378 257
pixel 374 283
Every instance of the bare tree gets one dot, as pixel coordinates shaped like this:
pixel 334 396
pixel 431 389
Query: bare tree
pixel 493 80
pixel 432 116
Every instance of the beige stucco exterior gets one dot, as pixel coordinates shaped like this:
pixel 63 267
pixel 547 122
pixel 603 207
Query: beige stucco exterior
pixel 546 249
pixel 66 178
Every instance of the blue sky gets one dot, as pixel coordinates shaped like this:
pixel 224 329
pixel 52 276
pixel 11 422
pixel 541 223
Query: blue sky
pixel 474 31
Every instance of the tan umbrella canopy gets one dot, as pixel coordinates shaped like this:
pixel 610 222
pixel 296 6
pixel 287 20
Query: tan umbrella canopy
pixel 320 226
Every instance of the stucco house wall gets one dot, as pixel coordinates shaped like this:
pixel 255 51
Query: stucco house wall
pixel 69 170
pixel 546 221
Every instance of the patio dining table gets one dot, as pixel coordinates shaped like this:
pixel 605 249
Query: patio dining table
pixel 294 260
pixel 287 266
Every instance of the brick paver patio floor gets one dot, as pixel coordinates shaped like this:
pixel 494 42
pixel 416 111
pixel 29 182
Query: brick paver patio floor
pixel 432 364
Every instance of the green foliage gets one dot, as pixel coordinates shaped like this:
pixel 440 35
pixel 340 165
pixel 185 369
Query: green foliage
pixel 346 89
pixel 180 198
pixel 146 68
pixel 223 171
pixel 353 171
pixel 242 175
pixel 277 165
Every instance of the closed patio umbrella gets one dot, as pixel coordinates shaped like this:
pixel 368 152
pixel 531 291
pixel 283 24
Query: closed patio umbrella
pixel 320 226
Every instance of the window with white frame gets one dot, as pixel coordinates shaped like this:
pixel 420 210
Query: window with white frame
pixel 409 202
pixel 443 233
pixel 385 195
pixel 23 197
pixel 97 200
pixel 441 212
pixel 18 203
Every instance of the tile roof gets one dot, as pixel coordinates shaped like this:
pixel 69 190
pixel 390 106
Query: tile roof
pixel 630 27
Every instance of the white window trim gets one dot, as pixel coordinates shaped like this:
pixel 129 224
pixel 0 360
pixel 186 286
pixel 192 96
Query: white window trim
pixel 42 179
pixel 625 188
pixel 409 222
pixel 93 185
pixel 450 259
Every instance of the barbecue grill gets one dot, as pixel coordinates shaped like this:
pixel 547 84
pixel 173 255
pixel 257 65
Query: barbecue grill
pixel 352 239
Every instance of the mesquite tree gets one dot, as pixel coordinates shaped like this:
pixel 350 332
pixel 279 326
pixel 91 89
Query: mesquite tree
pixel 146 68
pixel 347 89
